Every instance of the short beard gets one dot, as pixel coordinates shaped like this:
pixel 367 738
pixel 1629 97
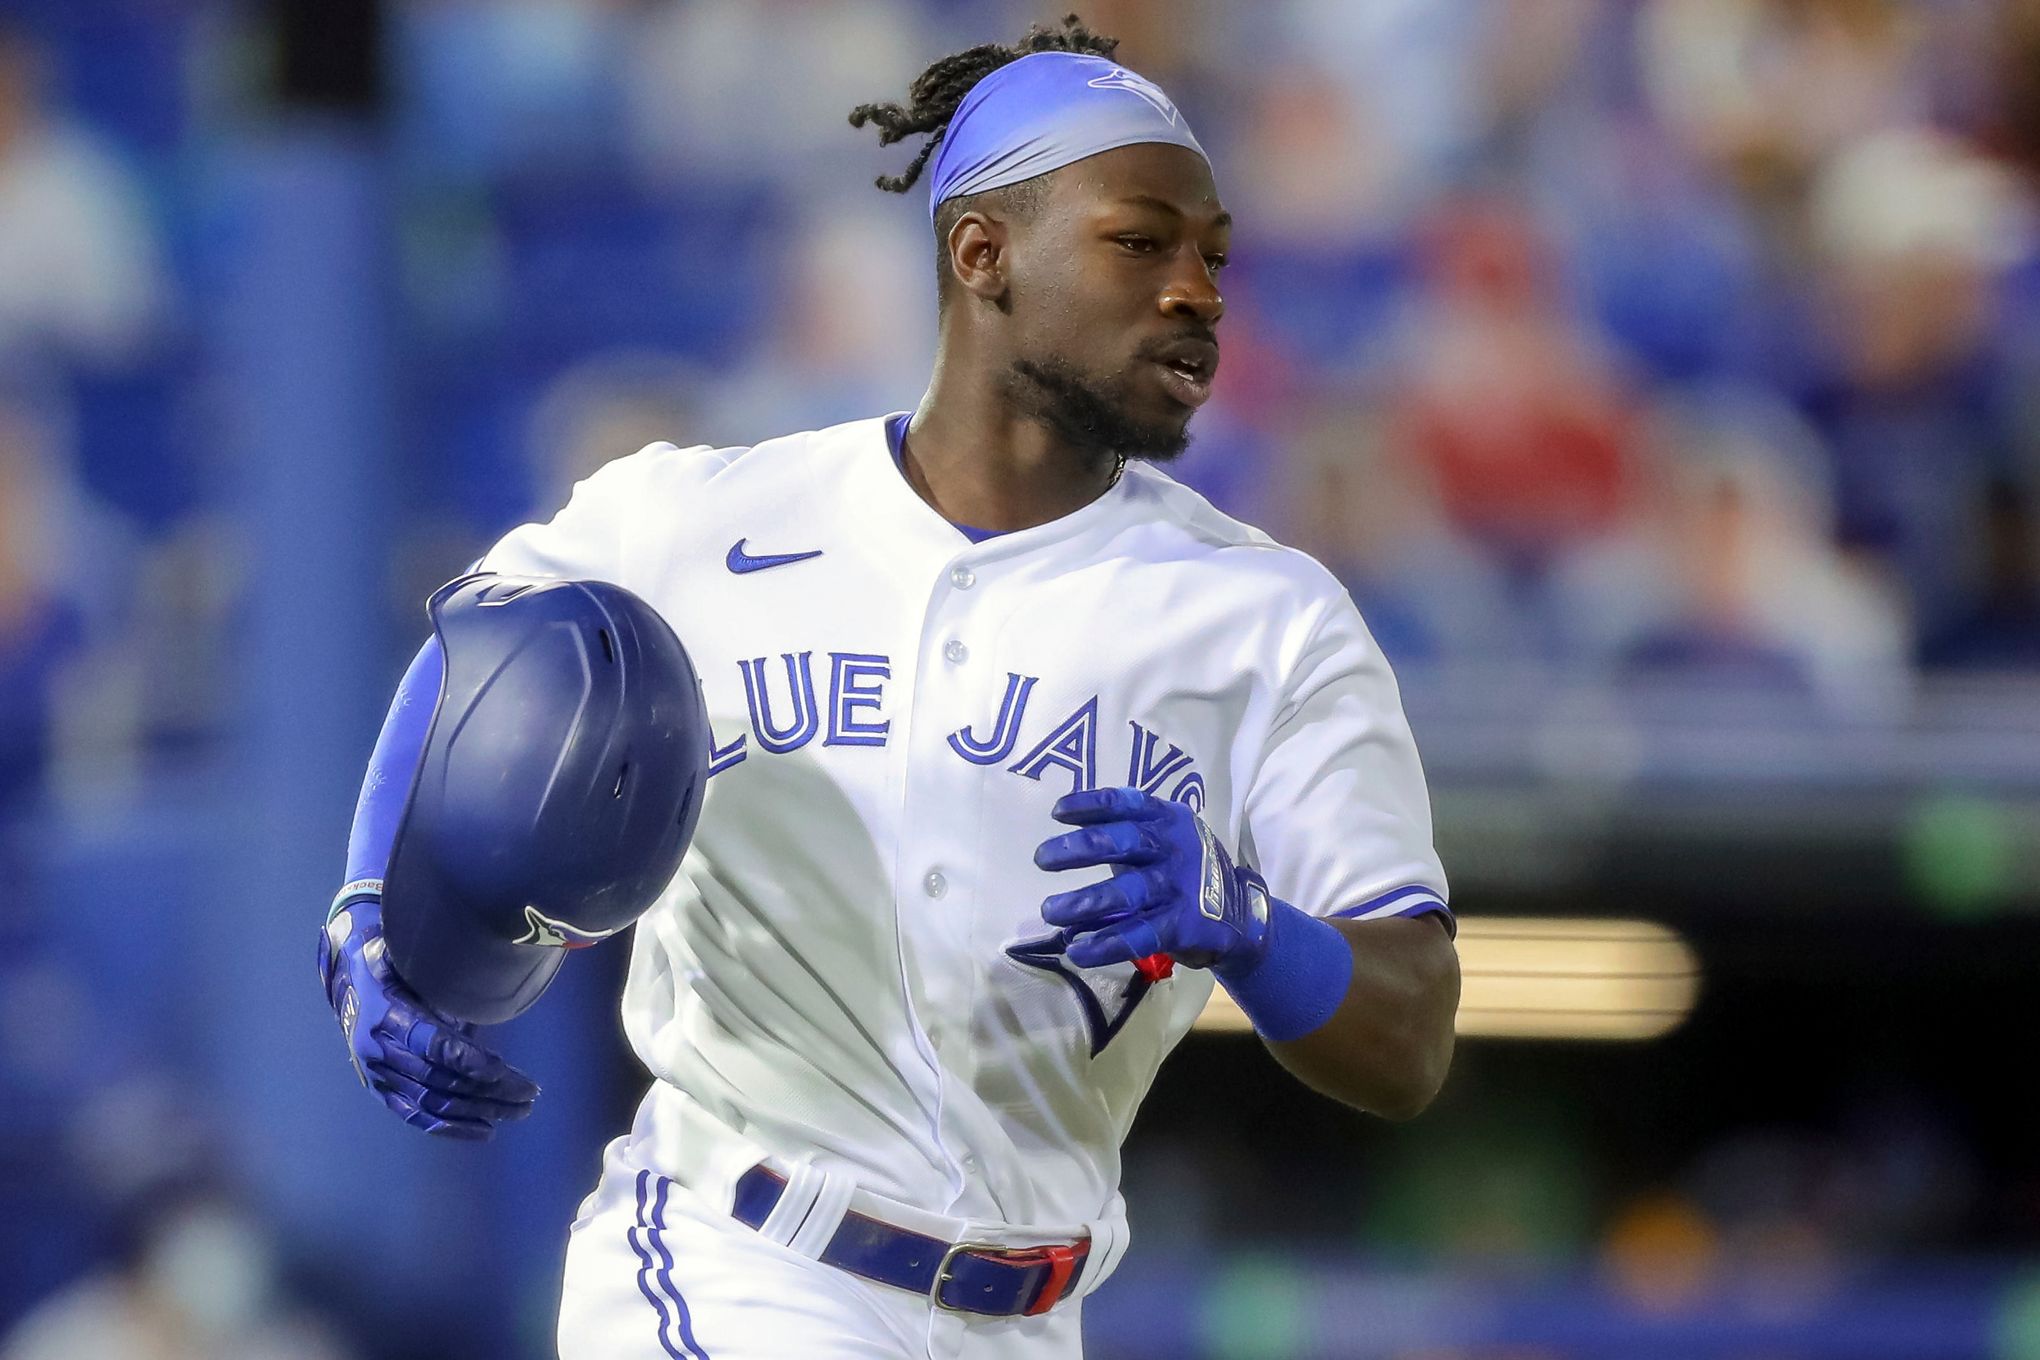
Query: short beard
pixel 1088 414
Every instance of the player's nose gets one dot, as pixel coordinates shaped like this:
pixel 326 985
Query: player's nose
pixel 1192 292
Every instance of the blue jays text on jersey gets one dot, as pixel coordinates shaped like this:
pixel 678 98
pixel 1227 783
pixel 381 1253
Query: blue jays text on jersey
pixel 856 696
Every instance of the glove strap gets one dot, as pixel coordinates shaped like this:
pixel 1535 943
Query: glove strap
pixel 360 890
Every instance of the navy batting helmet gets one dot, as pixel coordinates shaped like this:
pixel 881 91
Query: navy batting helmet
pixel 559 787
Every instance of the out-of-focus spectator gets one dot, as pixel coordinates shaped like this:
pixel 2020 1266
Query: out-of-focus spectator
pixel 1729 575
pixel 1320 174
pixel 192 1279
pixel 1765 90
pixel 1508 404
pixel 191 1272
pixel 79 270
pixel 699 75
pixel 1321 194
pixel 1912 232
pixel 612 405
pixel 1410 72
pixel 188 586
pixel 1428 595
pixel 606 407
pixel 1672 266
pixel 852 326
pixel 67 577
pixel 1757 596
pixel 1532 70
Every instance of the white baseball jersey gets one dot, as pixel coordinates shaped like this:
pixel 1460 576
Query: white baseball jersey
pixel 846 975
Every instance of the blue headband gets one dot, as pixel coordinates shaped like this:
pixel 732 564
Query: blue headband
pixel 1043 111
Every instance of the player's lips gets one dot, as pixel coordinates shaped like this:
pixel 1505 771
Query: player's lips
pixel 1188 366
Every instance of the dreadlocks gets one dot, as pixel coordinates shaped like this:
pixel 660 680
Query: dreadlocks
pixel 933 99
pixel 938 91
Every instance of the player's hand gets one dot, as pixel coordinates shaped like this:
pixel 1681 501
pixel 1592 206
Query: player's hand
pixel 1173 890
pixel 424 1066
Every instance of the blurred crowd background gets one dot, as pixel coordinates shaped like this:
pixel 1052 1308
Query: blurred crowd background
pixel 1661 376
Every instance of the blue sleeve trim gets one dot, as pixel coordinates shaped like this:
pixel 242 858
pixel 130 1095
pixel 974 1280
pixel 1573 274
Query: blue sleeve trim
pixel 386 789
pixel 1412 900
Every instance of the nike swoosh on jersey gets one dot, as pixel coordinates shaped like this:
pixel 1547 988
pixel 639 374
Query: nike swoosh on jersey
pixel 740 561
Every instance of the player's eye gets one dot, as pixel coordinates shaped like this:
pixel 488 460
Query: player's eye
pixel 1137 243
pixel 1214 262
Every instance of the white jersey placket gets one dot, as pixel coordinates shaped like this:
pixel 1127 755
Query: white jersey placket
pixel 939 877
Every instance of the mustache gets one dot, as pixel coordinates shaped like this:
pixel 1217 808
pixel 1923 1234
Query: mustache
pixel 1156 349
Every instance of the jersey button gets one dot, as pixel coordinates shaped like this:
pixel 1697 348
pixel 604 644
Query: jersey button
pixel 956 652
pixel 963 578
pixel 935 884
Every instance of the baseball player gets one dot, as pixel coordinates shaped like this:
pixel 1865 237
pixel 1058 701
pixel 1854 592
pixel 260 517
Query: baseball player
pixel 1018 749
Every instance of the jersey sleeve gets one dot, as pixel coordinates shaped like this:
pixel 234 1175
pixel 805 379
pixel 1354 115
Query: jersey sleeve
pixel 591 538
pixel 1338 818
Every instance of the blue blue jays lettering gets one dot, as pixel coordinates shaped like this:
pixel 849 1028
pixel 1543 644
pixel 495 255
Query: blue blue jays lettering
pixel 784 699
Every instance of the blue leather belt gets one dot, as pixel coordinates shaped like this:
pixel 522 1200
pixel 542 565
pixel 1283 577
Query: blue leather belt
pixel 963 1277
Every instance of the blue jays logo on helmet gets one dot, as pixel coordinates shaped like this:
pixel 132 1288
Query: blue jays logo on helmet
pixel 544 930
pixel 1119 78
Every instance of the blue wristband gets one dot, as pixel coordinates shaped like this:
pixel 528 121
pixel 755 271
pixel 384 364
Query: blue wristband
pixel 1294 987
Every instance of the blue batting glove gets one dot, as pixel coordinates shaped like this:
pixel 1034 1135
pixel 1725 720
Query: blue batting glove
pixel 424 1066
pixel 1174 890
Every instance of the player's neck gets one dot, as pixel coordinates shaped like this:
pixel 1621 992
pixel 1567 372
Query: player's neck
pixel 979 462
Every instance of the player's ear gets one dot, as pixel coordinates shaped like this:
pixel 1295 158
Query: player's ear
pixel 977 255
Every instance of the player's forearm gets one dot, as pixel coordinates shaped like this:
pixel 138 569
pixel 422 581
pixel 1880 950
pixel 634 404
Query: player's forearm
pixel 1387 1047
pixel 386 787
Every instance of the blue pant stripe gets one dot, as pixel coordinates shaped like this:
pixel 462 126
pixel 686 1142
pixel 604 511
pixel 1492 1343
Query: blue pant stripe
pixel 666 1271
pixel 644 1275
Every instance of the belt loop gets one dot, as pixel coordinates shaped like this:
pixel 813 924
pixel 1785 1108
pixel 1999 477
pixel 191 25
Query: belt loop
pixel 803 1186
pixel 831 1202
pixel 1062 1263
pixel 1108 1243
